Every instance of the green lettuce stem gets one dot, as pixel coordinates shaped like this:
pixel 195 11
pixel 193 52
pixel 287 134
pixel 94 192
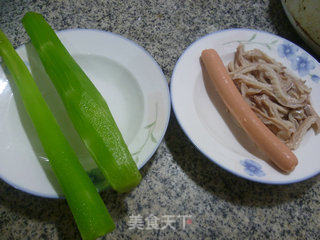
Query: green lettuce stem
pixel 87 207
pixel 86 107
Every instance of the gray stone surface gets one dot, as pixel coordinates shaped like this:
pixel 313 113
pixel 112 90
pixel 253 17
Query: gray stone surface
pixel 178 180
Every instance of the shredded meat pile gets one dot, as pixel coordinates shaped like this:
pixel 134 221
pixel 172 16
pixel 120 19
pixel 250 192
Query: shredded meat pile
pixel 280 100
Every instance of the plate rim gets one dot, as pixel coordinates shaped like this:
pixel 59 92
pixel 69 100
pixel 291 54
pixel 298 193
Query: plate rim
pixel 166 122
pixel 230 170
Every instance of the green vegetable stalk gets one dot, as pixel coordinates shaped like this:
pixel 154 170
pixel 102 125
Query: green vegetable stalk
pixel 88 209
pixel 86 107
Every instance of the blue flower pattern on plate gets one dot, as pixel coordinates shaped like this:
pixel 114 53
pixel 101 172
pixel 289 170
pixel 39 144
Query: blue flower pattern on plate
pixel 302 64
pixel 287 50
pixel 252 168
pixel 315 78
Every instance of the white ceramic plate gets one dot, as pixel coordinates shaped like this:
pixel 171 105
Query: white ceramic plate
pixel 126 75
pixel 214 133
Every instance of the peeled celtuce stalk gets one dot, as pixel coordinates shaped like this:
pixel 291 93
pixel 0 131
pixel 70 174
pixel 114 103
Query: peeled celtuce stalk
pixel 87 207
pixel 86 107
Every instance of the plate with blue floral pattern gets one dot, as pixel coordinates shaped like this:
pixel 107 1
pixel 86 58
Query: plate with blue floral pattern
pixel 210 126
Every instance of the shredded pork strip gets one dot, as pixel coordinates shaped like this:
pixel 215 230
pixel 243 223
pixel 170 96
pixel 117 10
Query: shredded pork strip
pixel 280 100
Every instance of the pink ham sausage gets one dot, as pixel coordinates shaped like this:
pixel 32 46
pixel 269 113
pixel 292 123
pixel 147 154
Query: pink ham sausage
pixel 276 150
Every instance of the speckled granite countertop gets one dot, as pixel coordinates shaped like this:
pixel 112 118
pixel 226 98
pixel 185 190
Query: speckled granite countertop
pixel 178 180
